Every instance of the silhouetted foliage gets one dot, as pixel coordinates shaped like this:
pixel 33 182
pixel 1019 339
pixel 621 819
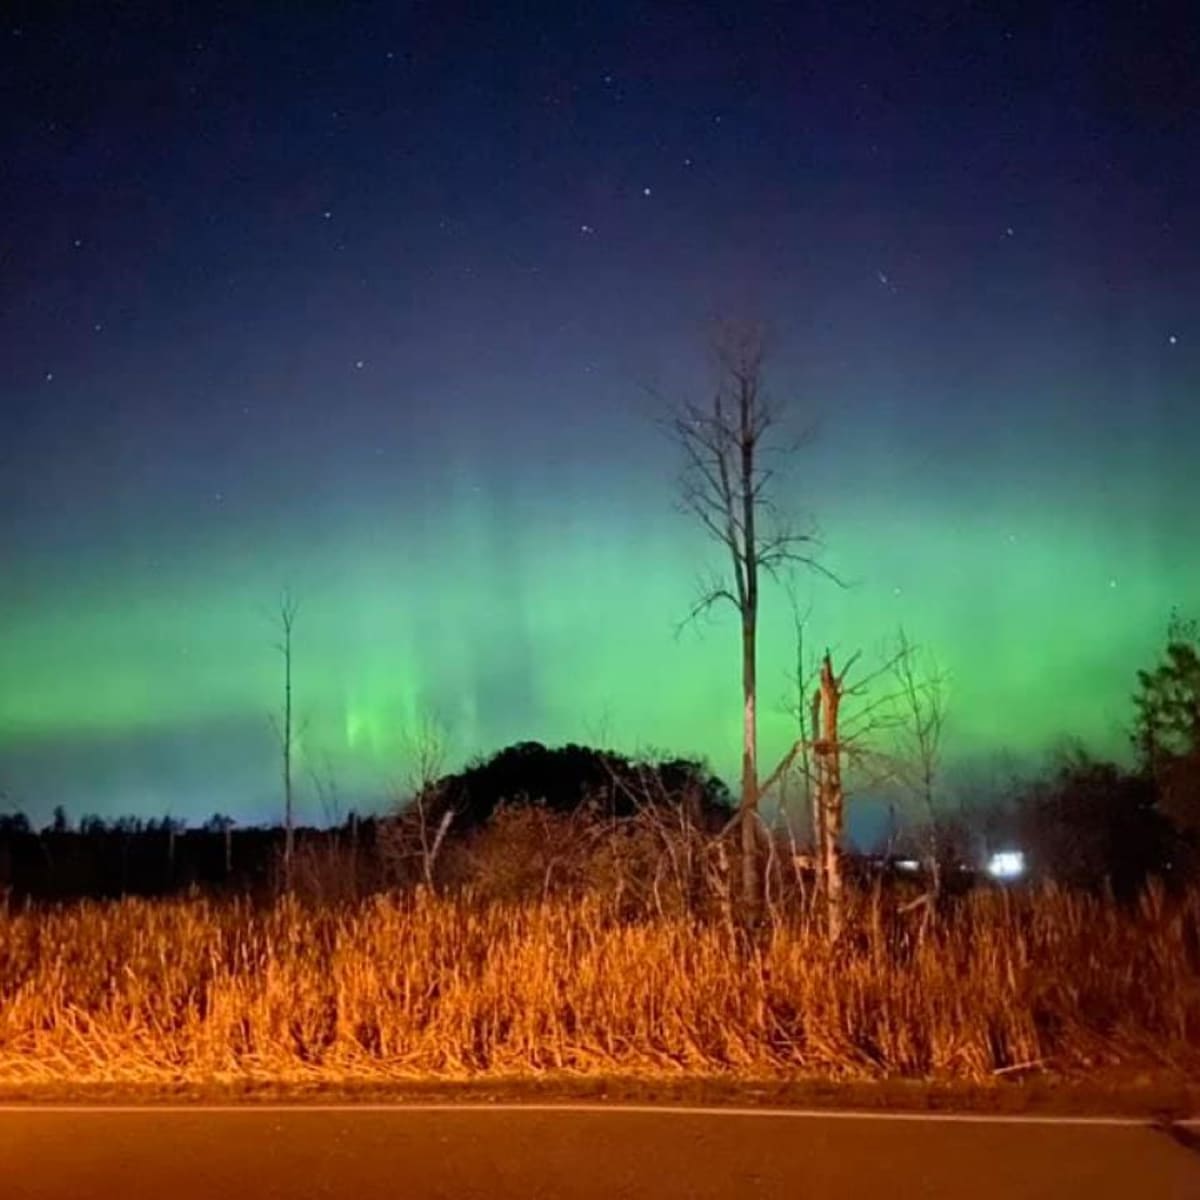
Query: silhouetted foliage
pixel 1093 823
pixel 566 778
pixel 129 855
pixel 1167 729
pixel 133 856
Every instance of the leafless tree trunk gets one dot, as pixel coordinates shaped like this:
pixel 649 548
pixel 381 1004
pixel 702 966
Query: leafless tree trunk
pixel 830 796
pixel 817 798
pixel 798 762
pixel 726 485
pixel 288 608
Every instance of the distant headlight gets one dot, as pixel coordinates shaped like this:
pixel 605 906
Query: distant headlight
pixel 1006 864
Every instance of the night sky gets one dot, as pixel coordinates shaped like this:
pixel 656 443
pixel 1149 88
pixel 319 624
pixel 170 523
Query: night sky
pixel 374 302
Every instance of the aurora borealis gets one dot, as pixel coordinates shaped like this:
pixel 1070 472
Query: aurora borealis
pixel 372 302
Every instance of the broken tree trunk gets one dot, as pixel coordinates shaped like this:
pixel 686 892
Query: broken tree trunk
pixel 830 799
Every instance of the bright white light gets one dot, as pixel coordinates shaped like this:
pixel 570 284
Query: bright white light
pixel 907 864
pixel 1006 864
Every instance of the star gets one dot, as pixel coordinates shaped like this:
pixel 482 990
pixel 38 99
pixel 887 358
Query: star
pixel 1172 339
pixel 1008 231
pixel 586 229
pixel 49 376
pixel 359 364
pixel 97 327
pixel 645 191
pixel 327 214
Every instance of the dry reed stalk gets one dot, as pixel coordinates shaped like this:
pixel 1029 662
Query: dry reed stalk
pixel 420 986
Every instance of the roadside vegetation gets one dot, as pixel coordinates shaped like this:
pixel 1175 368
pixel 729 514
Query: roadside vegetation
pixel 585 981
pixel 570 914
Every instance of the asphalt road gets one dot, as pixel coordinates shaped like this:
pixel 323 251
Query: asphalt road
pixel 528 1152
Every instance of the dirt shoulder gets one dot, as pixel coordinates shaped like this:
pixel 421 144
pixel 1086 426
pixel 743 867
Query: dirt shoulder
pixel 1160 1097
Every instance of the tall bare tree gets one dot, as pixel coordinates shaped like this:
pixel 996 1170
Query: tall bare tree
pixel 726 484
pixel 286 623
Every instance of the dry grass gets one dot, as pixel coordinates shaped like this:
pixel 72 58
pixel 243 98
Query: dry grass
pixel 416 987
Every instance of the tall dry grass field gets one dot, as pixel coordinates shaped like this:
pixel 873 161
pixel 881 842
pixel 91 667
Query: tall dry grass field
pixel 415 986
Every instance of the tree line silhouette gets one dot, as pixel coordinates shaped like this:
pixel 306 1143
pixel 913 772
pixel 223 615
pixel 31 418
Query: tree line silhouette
pixel 134 856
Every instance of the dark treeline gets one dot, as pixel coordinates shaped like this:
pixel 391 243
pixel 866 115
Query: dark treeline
pixel 134 856
pixel 1085 823
pixel 130 856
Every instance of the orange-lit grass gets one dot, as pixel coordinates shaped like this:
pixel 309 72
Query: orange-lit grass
pixel 418 987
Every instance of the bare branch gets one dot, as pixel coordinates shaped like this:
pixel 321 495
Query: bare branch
pixel 921 700
pixel 708 599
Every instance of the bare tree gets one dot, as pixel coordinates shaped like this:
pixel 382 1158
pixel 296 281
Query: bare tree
pixel 798 764
pixel 411 832
pixel 428 763
pixel 726 485
pixel 286 623
pixel 922 694
pixel 840 723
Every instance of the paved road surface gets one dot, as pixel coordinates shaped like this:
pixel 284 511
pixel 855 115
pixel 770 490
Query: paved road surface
pixel 525 1153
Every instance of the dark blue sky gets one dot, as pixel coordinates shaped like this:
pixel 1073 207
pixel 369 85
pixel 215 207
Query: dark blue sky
pixel 367 298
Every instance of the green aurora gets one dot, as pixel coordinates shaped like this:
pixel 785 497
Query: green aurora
pixel 148 675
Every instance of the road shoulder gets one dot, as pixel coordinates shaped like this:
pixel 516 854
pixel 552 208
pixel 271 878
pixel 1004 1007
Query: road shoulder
pixel 1164 1097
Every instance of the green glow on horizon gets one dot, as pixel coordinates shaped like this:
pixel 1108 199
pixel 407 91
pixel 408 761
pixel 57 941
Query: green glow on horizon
pixel 564 628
